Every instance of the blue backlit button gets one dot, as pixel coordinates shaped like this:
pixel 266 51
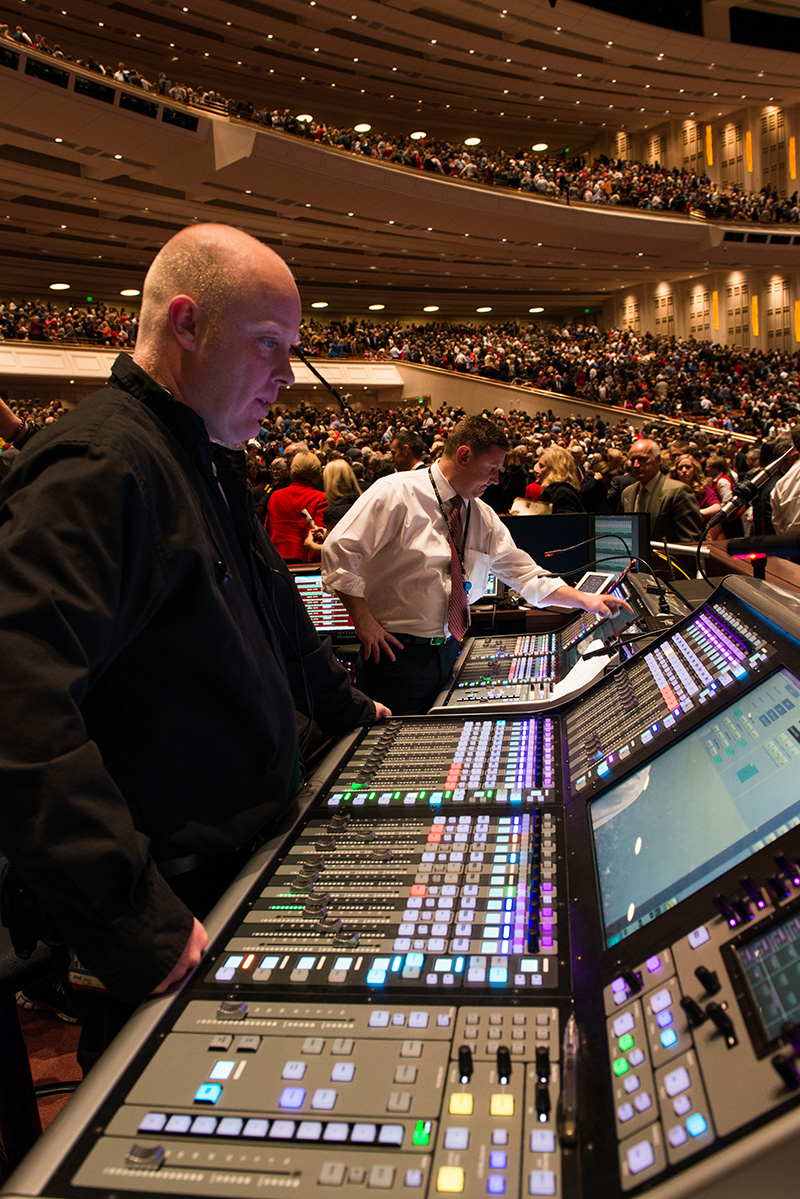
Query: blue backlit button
pixel 209 1092
pixel 256 1128
pixel 294 1070
pixel 698 937
pixel 541 1182
pixel 230 1126
pixel 222 1070
pixel 292 1098
pixel 323 1099
pixel 498 1159
pixel 364 1134
pixel 495 1185
pixel 178 1124
pixel 677 1081
pixel 681 1105
pixel 153 1122
pixel 282 1130
pixel 456 1138
pixel 343 1072
pixel 677 1136
pixel 696 1125
pixel 335 1131
pixel 309 1130
pixel 381 1177
pixel 664 1019
pixel 543 1140
pixel 413 1178
pixel 204 1126
pixel 391 1134
pixel 641 1156
pixel 603 770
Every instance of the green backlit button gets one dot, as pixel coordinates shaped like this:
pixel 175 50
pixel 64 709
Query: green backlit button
pixel 620 1067
pixel 422 1133
pixel 625 1043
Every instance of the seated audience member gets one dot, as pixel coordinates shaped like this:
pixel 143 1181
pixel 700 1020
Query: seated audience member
pixel 786 494
pixel 558 475
pixel 688 470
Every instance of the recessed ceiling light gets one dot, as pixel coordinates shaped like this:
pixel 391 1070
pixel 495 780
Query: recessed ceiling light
pixel 305 117
pixel 536 310
pixel 539 146
pixel 320 304
pixel 431 308
pixel 130 291
pixel 59 286
pixel 418 135
pixel 483 310
pixel 362 128
pixel 377 307
pixel 472 141
pixel 59 139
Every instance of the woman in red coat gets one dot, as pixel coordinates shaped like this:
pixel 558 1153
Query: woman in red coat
pixel 285 522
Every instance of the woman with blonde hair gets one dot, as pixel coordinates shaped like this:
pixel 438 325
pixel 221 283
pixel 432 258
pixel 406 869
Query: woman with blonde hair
pixel 689 471
pixel 557 473
pixel 341 490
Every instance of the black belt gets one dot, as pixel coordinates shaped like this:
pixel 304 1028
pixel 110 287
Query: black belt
pixel 411 639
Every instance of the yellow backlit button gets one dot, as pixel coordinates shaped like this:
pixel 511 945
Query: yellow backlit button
pixel 450 1180
pixel 502 1105
pixel 461 1104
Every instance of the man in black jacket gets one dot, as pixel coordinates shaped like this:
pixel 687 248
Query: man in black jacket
pixel 154 646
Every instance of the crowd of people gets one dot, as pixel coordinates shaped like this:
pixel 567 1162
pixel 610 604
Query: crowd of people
pixel 603 180
pixel 737 390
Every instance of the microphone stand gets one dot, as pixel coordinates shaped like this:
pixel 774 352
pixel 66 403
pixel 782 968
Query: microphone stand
pixel 336 395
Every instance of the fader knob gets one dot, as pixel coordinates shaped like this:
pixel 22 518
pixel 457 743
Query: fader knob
pixel 542 1102
pixel 723 1022
pixel 708 979
pixel 542 1063
pixel 465 1064
pixel 503 1063
pixel 381 853
pixel 329 924
pixel 694 1013
pixel 325 843
pixel 345 936
pixel 632 980
pixel 787 1068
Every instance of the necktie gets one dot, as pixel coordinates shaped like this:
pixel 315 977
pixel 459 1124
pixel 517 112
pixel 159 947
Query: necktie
pixel 641 502
pixel 458 612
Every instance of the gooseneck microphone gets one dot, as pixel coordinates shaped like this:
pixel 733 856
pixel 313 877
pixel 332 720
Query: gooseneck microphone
pixel 745 493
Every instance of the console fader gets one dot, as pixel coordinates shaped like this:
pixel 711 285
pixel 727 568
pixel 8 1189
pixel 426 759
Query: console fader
pixel 553 954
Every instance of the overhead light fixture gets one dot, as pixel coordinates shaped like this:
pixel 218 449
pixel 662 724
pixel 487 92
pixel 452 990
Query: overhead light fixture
pixel 431 308
pixel 362 128
pixel 536 310
pixel 59 286
pixel 377 307
pixel 130 291
pixel 305 117
pixel 539 146
pixel 472 141
pixel 483 310
pixel 418 135
pixel 320 304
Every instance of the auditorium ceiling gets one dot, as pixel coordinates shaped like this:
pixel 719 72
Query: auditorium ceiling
pixel 91 208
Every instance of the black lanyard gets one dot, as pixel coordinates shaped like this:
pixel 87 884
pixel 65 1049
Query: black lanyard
pixel 458 548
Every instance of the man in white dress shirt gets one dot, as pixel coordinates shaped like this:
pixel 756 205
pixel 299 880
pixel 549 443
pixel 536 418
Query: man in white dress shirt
pixel 415 550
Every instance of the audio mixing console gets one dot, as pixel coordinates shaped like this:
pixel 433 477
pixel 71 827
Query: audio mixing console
pixel 520 955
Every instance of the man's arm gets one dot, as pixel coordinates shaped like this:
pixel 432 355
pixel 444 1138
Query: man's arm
pixel 370 633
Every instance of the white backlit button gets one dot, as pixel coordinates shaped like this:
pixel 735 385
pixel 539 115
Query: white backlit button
pixel 677 1136
pixel 631 1084
pixel 677 1081
pixel 541 1182
pixel 698 937
pixel 642 1102
pixel 681 1105
pixel 640 1157
pixel 625 1112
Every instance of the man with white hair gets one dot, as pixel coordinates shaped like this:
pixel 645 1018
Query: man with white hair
pixel 155 649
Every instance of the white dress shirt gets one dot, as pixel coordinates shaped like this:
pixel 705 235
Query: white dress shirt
pixel 392 548
pixel 786 502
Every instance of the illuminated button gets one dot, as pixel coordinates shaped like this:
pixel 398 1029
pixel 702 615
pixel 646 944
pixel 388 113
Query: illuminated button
pixel 498 1159
pixel 501 1105
pixel 255 1128
pixel 624 1023
pixel 631 1084
pixel 664 1019
pixel 323 1099
pixel 153 1122
pixel 309 1130
pixel 230 1126
pixel 620 1067
pixel 636 1057
pixel 461 1104
pixel 343 1072
pixel 204 1126
pixel 282 1130
pixel 643 1102
pixel 293 1070
pixel 652 964
pixel 625 1112
pixel 677 1081
pixel 543 1141
pixel 696 1125
pixel 495 1185
pixel 450 1180
pixel 379 1019
pixel 668 1038
pixel 422 1133
pixel 390 1134
pixel 641 1157
pixel 698 937
pixel 209 1092
pixel 413 1178
pixel 292 1097
pixel 500 1136
pixel 681 1105
pixel 677 1136
pixel 336 1131
pixel 456 1138
pixel 178 1124
pixel 364 1134
pixel 625 1043
pixel 660 1001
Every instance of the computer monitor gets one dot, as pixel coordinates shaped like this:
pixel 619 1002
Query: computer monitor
pixel 328 613
pixel 540 536
pixel 632 528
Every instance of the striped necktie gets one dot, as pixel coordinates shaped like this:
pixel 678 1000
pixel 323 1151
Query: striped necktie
pixel 458 613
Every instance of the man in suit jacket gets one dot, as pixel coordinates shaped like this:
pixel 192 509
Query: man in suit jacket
pixel 672 506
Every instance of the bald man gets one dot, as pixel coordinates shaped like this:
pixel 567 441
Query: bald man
pixel 154 647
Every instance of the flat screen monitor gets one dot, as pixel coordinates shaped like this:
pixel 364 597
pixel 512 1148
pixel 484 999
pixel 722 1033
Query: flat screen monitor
pixel 707 803
pixel 328 614
pixel 543 535
pixel 632 528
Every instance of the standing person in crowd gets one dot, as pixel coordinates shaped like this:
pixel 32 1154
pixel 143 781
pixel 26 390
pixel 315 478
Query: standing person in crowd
pixel 285 523
pixel 672 506
pixel 407 450
pixel 415 550
pixel 718 469
pixel 557 473
pixel 154 646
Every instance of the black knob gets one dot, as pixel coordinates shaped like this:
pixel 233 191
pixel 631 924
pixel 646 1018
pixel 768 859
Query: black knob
pixel 787 1068
pixel 752 891
pixel 791 1035
pixel 465 1066
pixel 694 1013
pixel 542 1063
pixel 725 909
pixel 633 981
pixel 788 868
pixel 742 908
pixel 329 924
pixel 503 1064
pixel 708 979
pixel 723 1022
pixel 778 888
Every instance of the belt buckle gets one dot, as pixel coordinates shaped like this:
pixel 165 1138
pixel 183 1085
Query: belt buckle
pixel 438 640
